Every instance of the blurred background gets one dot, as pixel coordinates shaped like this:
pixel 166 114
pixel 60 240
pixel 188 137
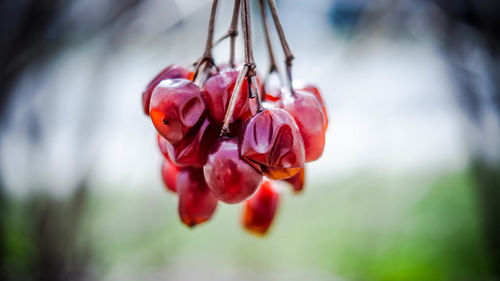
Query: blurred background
pixel 408 187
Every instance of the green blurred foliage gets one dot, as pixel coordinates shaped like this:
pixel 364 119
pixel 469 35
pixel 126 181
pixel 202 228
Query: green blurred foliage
pixel 359 229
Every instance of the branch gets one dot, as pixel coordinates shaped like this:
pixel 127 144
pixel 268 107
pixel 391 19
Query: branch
pixel 284 44
pixel 207 58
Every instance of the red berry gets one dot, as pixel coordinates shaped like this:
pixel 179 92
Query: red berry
pixel 260 209
pixel 193 149
pixel 218 91
pixel 315 91
pixel 229 177
pixel 176 107
pixel 297 181
pixel 197 204
pixel 271 141
pixel 306 110
pixel 171 72
pixel 169 173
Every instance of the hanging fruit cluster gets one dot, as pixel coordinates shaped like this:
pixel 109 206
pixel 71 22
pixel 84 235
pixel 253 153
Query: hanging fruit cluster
pixel 226 137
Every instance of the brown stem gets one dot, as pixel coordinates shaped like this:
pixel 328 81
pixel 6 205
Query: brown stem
pixel 257 94
pixel 248 69
pixel 284 44
pixel 232 33
pixel 272 61
pixel 232 102
pixel 249 59
pixel 207 58
pixel 247 34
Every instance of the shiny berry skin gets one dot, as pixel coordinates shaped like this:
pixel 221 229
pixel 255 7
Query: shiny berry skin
pixel 169 173
pixel 218 91
pixel 229 177
pixel 176 107
pixel 197 204
pixel 260 210
pixel 171 72
pixel 193 149
pixel 308 87
pixel 271 142
pixel 306 110
pixel 297 181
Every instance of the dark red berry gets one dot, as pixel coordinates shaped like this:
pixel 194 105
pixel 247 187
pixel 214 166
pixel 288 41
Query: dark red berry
pixel 193 149
pixel 260 210
pixel 171 72
pixel 218 91
pixel 308 87
pixel 176 107
pixel 271 142
pixel 229 177
pixel 306 110
pixel 197 204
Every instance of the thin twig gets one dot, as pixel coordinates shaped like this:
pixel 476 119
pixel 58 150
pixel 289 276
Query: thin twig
pixel 233 31
pixel 249 59
pixel 207 58
pixel 284 44
pixel 257 94
pixel 248 69
pixel 272 61
pixel 232 102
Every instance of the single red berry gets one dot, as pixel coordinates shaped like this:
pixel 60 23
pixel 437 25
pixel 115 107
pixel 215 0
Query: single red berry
pixel 271 142
pixel 308 87
pixel 297 181
pixel 218 91
pixel 169 173
pixel 193 149
pixel 306 110
pixel 197 204
pixel 176 107
pixel 171 72
pixel 229 177
pixel 260 210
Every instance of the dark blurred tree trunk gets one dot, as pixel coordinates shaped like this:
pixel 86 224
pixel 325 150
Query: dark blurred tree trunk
pixel 33 32
pixel 470 26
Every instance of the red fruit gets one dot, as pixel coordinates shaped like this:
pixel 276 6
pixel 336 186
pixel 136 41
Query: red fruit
pixel 271 142
pixel 176 107
pixel 229 177
pixel 297 181
pixel 306 110
pixel 315 91
pixel 218 91
pixel 169 173
pixel 259 211
pixel 197 204
pixel 171 72
pixel 193 149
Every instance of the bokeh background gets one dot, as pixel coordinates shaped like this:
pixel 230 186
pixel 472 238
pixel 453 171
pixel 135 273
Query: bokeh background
pixel 408 187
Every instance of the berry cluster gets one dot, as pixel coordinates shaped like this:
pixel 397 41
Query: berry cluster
pixel 222 140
